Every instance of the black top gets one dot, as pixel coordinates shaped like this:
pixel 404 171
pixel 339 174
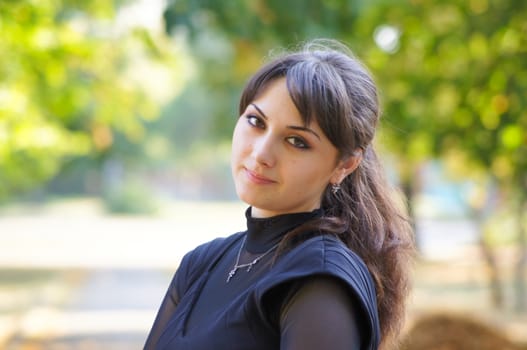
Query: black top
pixel 319 295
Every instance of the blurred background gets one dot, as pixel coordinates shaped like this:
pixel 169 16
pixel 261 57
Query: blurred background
pixel 115 125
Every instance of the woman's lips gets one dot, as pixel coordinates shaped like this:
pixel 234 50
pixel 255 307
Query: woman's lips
pixel 258 179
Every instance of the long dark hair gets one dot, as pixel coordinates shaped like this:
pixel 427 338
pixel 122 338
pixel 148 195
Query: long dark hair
pixel 329 85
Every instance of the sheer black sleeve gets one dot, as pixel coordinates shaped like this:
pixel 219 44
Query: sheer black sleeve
pixel 318 314
pixel 168 305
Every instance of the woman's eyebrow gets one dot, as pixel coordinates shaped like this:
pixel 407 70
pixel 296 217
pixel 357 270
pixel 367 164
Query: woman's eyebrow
pixel 294 127
pixel 303 128
pixel 259 110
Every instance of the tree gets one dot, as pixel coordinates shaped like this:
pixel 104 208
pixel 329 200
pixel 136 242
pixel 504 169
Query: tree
pixel 455 90
pixel 69 85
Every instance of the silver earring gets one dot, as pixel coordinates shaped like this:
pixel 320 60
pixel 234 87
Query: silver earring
pixel 335 188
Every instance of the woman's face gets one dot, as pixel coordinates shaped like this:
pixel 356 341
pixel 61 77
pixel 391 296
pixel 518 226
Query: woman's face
pixel 280 166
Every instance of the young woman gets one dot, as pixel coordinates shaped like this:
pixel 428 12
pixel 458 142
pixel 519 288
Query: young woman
pixel 323 262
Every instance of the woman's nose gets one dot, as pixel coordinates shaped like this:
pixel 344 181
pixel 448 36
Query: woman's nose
pixel 264 151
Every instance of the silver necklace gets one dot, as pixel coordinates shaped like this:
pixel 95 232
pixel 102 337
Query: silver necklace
pixel 250 265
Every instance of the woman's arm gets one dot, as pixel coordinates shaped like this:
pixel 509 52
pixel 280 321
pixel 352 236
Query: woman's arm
pixel 166 310
pixel 321 315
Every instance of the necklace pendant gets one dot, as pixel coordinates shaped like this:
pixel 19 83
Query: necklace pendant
pixel 250 265
pixel 232 273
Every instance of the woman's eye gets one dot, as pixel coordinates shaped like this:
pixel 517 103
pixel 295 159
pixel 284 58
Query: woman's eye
pixel 255 121
pixel 297 142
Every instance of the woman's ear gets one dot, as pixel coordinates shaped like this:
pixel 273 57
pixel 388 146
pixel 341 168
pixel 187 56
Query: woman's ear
pixel 346 166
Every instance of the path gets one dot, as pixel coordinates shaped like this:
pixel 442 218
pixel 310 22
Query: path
pixel 106 309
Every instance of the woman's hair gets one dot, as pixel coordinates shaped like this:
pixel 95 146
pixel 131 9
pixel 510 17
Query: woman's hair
pixel 329 85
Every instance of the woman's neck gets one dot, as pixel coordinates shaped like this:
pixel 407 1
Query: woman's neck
pixel 263 233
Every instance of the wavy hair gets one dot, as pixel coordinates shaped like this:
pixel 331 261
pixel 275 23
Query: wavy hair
pixel 329 85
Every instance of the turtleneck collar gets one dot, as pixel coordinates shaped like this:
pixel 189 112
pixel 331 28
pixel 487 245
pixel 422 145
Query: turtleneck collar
pixel 263 233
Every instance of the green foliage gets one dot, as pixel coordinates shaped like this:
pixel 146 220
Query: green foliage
pixel 67 86
pixel 452 73
pixel 130 197
pixel 269 21
pixel 455 84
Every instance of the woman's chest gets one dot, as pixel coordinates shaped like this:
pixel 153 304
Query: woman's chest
pixel 216 314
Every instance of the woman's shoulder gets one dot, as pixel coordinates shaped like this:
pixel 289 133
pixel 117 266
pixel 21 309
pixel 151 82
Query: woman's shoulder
pixel 325 252
pixel 327 255
pixel 199 260
pixel 209 250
